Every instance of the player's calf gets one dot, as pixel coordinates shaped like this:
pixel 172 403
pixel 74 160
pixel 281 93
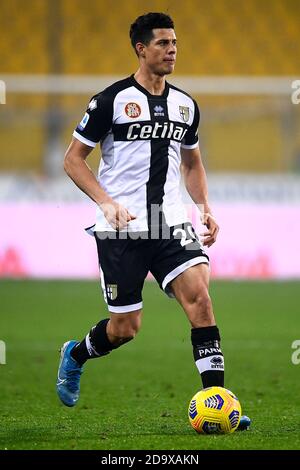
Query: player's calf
pixel 107 335
pixel 95 344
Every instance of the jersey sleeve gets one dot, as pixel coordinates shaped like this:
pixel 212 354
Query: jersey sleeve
pixel 190 140
pixel 97 120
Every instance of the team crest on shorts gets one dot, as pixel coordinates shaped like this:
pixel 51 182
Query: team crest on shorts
pixel 184 112
pixel 112 291
pixel 132 110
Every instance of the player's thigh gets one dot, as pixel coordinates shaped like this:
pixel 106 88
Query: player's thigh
pixel 192 284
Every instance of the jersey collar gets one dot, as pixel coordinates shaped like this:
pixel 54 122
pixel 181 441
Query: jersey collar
pixel 146 92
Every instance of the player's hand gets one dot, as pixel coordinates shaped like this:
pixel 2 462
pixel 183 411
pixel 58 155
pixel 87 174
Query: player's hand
pixel 210 236
pixel 116 215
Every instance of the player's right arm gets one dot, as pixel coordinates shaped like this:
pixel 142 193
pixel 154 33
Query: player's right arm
pixel 94 126
pixel 78 170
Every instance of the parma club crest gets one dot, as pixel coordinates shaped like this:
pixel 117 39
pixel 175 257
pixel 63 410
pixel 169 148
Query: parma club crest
pixel 112 291
pixel 184 112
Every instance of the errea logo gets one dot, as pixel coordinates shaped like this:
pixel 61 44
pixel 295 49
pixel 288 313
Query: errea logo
pixel 92 105
pixel 158 111
pixel 217 360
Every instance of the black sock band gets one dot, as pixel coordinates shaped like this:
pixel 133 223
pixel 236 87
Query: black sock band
pixel 99 339
pixel 208 355
pixel 204 338
pixel 207 333
pixel 95 344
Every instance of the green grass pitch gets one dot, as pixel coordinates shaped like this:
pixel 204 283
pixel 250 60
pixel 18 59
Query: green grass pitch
pixel 137 397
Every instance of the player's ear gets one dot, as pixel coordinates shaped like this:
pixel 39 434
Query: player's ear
pixel 140 49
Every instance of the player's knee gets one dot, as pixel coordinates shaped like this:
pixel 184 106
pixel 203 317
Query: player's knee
pixel 125 333
pixel 121 336
pixel 200 299
pixel 124 330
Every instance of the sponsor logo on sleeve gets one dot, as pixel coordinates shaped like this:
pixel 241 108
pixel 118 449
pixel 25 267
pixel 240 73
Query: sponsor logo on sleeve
pixel 92 105
pixel 84 121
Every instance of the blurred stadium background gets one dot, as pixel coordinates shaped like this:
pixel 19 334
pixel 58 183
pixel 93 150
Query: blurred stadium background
pixel 238 59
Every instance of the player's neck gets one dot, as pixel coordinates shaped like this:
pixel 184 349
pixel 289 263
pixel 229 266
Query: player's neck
pixel 154 84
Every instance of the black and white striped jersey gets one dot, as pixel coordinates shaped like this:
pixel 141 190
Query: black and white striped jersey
pixel 140 136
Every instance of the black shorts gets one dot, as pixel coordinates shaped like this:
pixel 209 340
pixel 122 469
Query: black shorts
pixel 125 262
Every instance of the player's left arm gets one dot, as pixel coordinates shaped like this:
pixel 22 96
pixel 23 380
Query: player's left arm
pixel 195 182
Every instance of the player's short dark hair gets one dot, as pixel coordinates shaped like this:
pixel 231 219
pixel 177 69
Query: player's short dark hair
pixel 141 29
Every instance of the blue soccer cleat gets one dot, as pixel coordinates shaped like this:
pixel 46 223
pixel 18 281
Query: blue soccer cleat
pixel 244 423
pixel 68 377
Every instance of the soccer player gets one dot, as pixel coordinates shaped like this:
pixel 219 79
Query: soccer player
pixel 148 131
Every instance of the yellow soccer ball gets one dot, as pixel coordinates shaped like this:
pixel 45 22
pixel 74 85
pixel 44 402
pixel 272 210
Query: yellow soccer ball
pixel 215 410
